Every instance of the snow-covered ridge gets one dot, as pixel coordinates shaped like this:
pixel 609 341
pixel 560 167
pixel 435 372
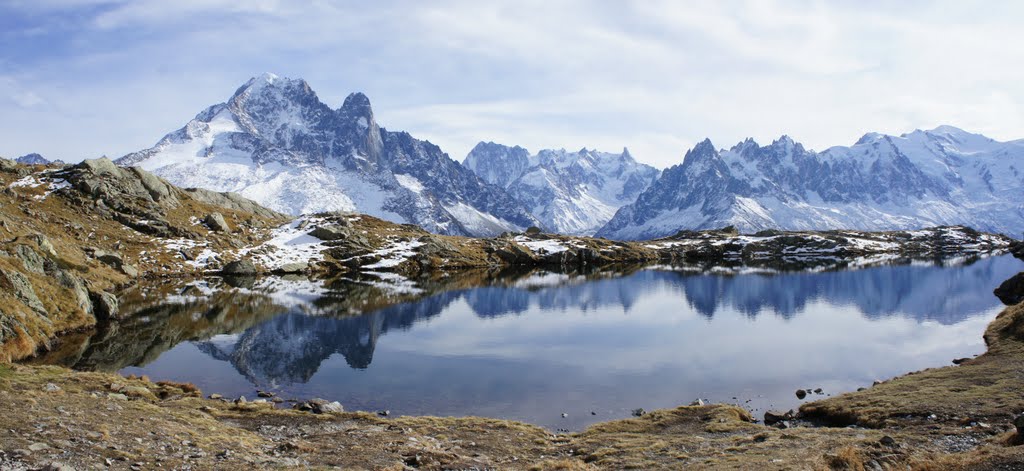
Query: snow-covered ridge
pixel 569 192
pixel 276 143
pixel 945 176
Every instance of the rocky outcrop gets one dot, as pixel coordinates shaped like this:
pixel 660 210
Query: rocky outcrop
pixel 71 236
pixel 1011 291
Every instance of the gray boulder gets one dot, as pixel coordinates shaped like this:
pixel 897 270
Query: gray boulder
pixel 331 232
pixel 216 222
pixel 115 260
pixel 239 267
pixel 104 304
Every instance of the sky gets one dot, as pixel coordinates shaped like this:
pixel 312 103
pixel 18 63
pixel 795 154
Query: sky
pixel 84 78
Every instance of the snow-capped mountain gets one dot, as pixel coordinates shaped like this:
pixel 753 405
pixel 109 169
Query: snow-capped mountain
pixel 924 178
pixel 569 192
pixel 275 142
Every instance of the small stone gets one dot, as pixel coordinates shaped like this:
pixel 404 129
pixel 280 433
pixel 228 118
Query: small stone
pixel 593 413
pixel 384 413
pixel 38 446
pixel 1018 422
pixel 139 391
pixel 800 393
pixel 564 415
pixel 639 412
pixel 329 408
pixel 818 391
pixel 773 417
pixel 267 394
pixel 276 400
pixel 216 396
pixel 118 396
pixel 50 387
pixel 697 402
pixel 887 441
pixel 241 400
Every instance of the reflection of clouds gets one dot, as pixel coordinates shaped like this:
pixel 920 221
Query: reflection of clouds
pixel 655 336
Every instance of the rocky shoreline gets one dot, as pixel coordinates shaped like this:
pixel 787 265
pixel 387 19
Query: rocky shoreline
pixel 72 236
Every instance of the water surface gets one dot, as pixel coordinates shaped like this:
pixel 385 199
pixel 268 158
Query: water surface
pixel 533 346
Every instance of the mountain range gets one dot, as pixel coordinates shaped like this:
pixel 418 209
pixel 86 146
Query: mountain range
pixel 36 159
pixel 924 178
pixel 569 192
pixel 275 142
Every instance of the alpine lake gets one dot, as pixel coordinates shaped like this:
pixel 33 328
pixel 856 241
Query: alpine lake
pixel 560 350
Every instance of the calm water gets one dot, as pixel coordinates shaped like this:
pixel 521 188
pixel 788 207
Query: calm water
pixel 533 346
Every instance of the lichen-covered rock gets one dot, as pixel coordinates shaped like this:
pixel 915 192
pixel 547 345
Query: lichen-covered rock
pixel 18 284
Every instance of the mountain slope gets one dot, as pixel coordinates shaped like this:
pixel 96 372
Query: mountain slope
pixel 275 142
pixel 569 192
pixel 924 178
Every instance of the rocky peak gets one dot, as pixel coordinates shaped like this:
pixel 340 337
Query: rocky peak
pixel 356 108
pixel 32 159
pixel 497 164
pixel 703 153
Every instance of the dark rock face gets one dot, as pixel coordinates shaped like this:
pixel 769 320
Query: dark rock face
pixel 880 183
pixel 1011 291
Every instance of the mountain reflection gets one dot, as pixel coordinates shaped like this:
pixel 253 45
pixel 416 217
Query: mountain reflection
pixel 273 336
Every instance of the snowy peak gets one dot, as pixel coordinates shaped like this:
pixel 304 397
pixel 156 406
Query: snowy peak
pixel 944 176
pixel 274 141
pixel 497 164
pixel 356 108
pixel 569 192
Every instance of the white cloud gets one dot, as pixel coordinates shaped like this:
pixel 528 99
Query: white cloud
pixel 654 76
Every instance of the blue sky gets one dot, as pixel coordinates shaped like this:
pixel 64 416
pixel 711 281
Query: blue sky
pixel 82 78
